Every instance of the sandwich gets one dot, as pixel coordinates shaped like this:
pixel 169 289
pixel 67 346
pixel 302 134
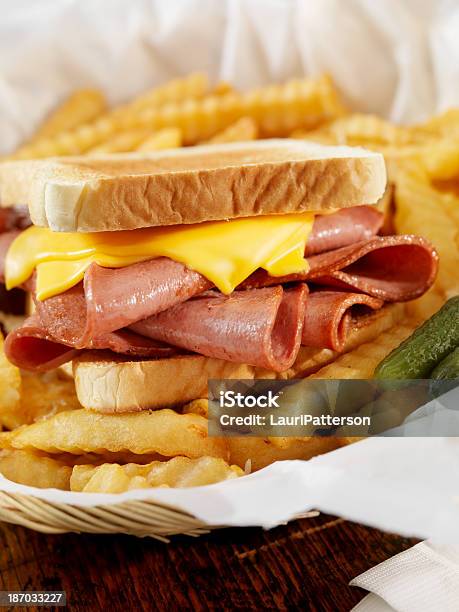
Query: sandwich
pixel 153 273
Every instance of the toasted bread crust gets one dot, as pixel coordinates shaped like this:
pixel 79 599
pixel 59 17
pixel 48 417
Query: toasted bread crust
pixel 110 386
pixel 191 185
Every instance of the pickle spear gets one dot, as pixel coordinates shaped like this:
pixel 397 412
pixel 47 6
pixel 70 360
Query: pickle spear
pixel 445 376
pixel 429 344
pixel 448 368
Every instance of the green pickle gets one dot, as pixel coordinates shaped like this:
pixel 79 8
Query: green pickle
pixel 448 368
pixel 428 345
pixel 445 376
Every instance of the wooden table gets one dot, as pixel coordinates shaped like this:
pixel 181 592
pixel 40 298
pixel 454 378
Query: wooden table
pixel 306 564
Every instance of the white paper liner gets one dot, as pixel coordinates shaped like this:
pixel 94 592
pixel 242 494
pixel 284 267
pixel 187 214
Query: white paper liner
pixel 398 58
pixel 404 485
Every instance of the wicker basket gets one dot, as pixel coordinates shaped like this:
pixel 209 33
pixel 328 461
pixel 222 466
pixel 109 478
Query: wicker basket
pixel 141 518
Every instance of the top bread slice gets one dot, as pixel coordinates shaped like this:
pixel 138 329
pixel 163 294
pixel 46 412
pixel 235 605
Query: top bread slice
pixel 191 185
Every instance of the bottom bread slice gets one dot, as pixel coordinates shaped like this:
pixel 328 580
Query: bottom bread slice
pixel 112 385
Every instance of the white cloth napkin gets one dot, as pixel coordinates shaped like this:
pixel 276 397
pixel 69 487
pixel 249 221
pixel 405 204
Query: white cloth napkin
pixel 424 578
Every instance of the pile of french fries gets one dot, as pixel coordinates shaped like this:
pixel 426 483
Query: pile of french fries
pixel 51 441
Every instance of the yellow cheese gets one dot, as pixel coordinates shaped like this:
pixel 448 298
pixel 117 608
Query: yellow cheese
pixel 225 252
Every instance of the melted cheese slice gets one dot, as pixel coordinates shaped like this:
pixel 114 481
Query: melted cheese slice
pixel 225 252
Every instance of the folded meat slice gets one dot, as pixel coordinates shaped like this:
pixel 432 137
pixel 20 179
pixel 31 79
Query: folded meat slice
pixel 111 299
pixel 344 227
pixel 261 327
pixel 117 298
pixel 391 268
pixel 328 316
pixel 54 334
pixel 64 316
pixel 32 347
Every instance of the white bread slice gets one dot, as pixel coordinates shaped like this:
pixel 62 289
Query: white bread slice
pixel 113 386
pixel 192 185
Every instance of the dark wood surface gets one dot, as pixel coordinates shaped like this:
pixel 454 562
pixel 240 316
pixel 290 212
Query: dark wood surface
pixel 304 565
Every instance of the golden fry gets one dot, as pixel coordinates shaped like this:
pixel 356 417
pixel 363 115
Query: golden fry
pixel 123 118
pixel 195 85
pixel 277 110
pixel 10 389
pixel 177 472
pixel 222 88
pixel 82 431
pixel 424 307
pixel 244 128
pixel 44 395
pixel 358 129
pixel 444 124
pixel 198 406
pixel 81 107
pixel 34 470
pixel 122 142
pixel 441 159
pixel 422 210
pixel 168 138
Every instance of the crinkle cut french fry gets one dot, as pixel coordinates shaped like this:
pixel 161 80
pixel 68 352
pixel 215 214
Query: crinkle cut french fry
pixel 197 406
pixel 177 472
pixel 441 159
pixel 27 398
pixel 424 307
pixel 277 109
pixel 362 361
pixel 244 128
pixel 195 85
pixel 168 138
pixel 42 395
pixel 122 142
pixel 394 141
pixel 34 470
pixel 10 390
pixel 222 88
pixel 46 394
pixel 444 124
pixel 422 210
pixel 260 452
pixel 80 107
pixel 360 129
pixel 126 117
pixel 82 431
